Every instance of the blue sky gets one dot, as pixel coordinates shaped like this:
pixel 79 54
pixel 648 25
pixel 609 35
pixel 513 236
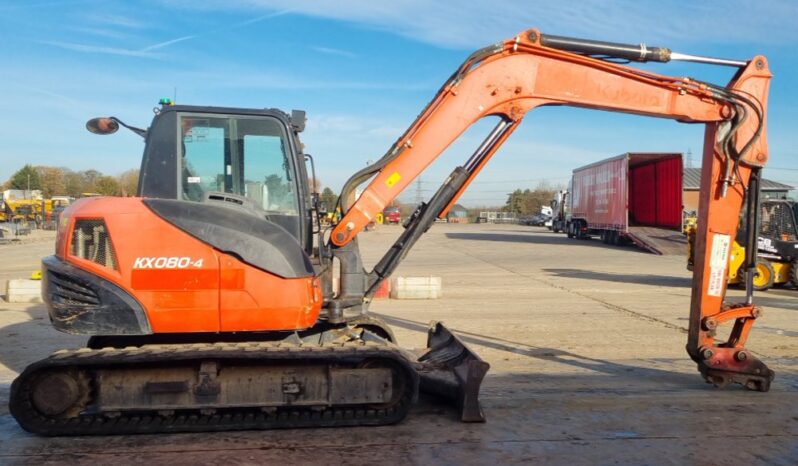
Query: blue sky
pixel 362 70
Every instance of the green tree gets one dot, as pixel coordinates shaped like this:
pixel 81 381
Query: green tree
pixel 514 201
pixel 25 178
pixel 128 182
pixel 53 181
pixel 106 185
pixel 328 198
pixel 529 202
pixel 73 181
pixel 89 180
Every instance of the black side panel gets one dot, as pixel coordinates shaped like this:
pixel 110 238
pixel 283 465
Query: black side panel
pixel 159 165
pixel 786 249
pixel 82 303
pixel 253 239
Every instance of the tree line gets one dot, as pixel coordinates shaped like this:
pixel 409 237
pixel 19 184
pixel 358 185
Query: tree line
pixel 59 181
pixel 524 202
pixel 529 201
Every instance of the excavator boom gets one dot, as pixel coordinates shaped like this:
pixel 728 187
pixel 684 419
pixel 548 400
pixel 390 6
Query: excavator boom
pixel 531 70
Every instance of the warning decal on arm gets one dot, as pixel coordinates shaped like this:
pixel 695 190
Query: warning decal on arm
pixel 718 261
pixel 393 179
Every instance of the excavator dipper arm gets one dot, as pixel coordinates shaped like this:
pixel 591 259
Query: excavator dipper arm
pixel 533 70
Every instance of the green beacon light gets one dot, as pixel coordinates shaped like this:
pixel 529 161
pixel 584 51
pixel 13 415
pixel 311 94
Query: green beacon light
pixel 166 102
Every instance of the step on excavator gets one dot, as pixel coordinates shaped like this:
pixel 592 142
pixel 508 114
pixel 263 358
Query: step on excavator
pixel 209 298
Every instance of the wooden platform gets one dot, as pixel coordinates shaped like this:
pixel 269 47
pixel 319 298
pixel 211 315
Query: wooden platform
pixel 661 241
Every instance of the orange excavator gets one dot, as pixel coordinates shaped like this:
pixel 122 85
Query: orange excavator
pixel 209 298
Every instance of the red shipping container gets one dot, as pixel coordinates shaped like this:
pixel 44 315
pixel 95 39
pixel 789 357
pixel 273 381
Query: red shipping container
pixel 643 199
pixel 630 189
pixel 669 193
pixel 599 193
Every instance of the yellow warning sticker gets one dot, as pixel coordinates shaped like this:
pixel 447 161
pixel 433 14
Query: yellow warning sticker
pixel 393 179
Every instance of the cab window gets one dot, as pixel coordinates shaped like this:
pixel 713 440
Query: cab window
pixel 240 155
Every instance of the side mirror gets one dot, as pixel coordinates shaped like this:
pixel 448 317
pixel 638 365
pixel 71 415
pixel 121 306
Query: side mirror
pixel 102 125
pixel 110 125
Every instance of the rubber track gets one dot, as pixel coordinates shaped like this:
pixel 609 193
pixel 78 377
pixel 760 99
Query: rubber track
pixel 192 420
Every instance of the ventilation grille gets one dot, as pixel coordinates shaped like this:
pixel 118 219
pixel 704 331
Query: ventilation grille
pixel 65 290
pixel 90 241
pixel 777 222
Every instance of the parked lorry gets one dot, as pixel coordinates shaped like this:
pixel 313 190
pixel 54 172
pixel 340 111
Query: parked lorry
pixel 392 215
pixel 559 211
pixel 633 197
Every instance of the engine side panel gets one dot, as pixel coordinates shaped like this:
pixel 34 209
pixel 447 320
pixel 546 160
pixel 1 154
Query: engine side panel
pixel 251 299
pixel 183 284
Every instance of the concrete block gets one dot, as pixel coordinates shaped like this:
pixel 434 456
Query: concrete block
pixel 416 287
pixel 24 291
pixel 384 290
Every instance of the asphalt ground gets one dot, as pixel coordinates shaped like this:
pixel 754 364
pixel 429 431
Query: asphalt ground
pixel 588 367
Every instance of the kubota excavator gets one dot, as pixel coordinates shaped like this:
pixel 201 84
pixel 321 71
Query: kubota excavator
pixel 211 307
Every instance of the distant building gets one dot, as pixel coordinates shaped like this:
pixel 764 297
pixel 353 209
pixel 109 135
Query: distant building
pixel 457 214
pixel 691 182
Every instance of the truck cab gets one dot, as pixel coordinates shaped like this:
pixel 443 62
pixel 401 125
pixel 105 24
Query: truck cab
pixel 559 208
pixel 392 215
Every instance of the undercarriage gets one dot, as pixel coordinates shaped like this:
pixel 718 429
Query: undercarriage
pixel 347 376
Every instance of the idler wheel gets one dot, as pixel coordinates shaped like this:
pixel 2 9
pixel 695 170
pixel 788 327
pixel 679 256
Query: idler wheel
pixel 53 394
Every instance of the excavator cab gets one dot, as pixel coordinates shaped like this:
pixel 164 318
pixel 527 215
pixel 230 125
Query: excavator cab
pixel 251 158
pixel 248 158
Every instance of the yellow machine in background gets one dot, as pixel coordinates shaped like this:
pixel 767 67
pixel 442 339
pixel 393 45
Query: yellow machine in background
pixel 689 221
pixel 769 271
pixel 24 210
pixel 23 206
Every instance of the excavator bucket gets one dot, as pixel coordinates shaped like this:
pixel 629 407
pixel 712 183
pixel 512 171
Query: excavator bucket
pixel 448 368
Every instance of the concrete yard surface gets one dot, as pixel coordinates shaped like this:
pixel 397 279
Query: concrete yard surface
pixel 588 367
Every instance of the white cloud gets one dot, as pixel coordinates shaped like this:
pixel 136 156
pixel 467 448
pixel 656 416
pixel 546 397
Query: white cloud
pixel 332 51
pixel 473 24
pixel 163 44
pixel 392 131
pixel 102 32
pixel 116 20
pixel 87 48
pixel 42 92
pixel 228 28
pixel 238 77
pixel 338 123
